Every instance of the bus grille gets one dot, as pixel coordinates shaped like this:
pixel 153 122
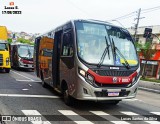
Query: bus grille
pixel 113 85
pixel 113 73
pixel 1 59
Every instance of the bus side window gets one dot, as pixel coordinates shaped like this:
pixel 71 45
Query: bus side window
pixel 67 47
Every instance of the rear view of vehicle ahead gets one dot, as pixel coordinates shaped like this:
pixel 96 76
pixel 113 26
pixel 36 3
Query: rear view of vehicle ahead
pixel 22 56
pixel 4 50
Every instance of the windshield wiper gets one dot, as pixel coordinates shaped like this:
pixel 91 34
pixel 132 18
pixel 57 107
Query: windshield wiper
pixel 126 64
pixel 104 53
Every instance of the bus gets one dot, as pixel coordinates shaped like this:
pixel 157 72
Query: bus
pixel 22 56
pixel 88 60
pixel 4 50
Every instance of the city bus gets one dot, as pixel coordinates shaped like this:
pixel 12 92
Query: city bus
pixel 22 56
pixel 4 50
pixel 88 60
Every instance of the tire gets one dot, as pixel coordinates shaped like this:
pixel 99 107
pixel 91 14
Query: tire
pixel 115 102
pixel 68 100
pixel 43 82
pixel 7 70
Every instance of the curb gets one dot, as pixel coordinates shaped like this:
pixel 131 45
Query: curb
pixel 149 90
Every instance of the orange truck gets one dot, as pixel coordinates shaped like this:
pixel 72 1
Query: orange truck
pixel 4 50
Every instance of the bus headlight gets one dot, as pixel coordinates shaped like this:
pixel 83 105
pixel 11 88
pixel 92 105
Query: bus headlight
pixel 7 61
pixel 135 79
pixel 89 78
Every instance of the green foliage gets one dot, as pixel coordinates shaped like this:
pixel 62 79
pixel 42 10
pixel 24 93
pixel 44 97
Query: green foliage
pixel 9 40
pixel 22 40
pixel 146 50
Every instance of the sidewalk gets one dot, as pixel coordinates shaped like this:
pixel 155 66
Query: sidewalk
pixel 149 86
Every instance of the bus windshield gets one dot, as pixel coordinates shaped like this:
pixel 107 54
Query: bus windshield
pixel 94 38
pixel 25 51
pixel 3 47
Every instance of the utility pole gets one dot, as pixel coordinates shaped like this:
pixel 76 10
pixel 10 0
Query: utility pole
pixel 136 25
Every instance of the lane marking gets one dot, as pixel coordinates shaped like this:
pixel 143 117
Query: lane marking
pixel 99 113
pixel 27 80
pixel 128 113
pixel 68 114
pixel 153 122
pixel 120 122
pixel 29 96
pixel 109 118
pixel 22 75
pixel 156 113
pixel 25 89
pixel 35 112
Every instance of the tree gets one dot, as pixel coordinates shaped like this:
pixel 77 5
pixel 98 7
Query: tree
pixel 22 40
pixel 9 40
pixel 147 52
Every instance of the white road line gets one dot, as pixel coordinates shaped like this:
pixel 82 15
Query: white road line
pixel 128 113
pixel 35 112
pixel 99 113
pixel 22 75
pixel 68 114
pixel 109 118
pixel 156 113
pixel 29 96
pixel 27 80
pixel 120 122
pixel 153 122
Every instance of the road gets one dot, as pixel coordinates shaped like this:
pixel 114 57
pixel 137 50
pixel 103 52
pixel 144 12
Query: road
pixel 21 94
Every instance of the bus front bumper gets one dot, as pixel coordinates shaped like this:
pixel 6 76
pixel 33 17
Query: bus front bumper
pixel 85 91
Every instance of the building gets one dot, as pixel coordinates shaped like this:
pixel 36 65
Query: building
pixel 153 65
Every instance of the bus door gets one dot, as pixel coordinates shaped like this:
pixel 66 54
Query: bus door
pixel 36 55
pixel 67 70
pixel 56 58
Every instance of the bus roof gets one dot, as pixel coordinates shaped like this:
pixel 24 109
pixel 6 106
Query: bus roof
pixel 72 21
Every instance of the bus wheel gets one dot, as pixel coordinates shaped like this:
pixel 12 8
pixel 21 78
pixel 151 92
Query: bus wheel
pixel 68 100
pixel 7 70
pixel 43 82
pixel 115 102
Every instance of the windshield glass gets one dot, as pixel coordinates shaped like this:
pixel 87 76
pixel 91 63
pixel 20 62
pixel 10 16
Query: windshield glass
pixel 25 51
pixel 3 47
pixel 31 49
pixel 92 43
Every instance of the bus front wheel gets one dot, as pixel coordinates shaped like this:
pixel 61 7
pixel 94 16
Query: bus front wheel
pixel 68 100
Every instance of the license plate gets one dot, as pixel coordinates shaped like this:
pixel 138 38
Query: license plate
pixel 113 94
pixel 30 66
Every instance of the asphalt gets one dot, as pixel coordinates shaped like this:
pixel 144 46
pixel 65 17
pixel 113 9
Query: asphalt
pixel 149 86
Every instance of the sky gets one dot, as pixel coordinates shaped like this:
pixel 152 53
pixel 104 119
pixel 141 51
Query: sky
pixel 39 16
